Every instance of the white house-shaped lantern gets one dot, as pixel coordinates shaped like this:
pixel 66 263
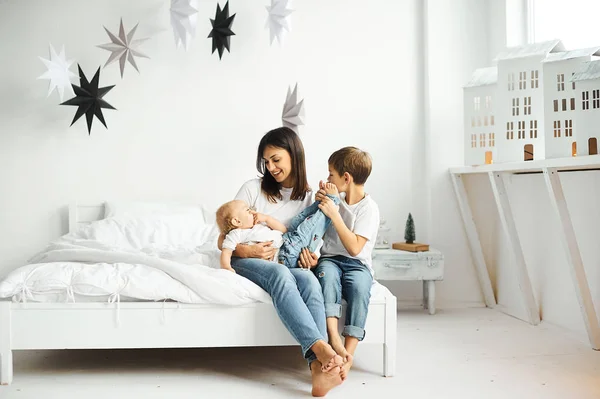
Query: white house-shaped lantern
pixel 560 100
pixel 520 105
pixel 587 112
pixel 480 124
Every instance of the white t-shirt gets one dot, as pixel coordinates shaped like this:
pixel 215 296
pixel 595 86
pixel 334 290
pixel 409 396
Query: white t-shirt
pixel 258 233
pixel 362 219
pixel 283 210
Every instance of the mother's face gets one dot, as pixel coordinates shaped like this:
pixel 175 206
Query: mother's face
pixel 278 163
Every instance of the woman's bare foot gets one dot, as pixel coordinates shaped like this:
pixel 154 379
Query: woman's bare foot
pixel 327 357
pixel 322 382
pixel 335 340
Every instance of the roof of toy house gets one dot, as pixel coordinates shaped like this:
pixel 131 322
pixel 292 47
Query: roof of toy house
pixel 530 50
pixel 567 55
pixel 483 77
pixel 587 71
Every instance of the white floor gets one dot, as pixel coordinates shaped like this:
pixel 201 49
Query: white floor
pixel 462 353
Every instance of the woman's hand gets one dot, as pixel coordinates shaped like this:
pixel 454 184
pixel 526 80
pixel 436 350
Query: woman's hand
pixel 261 250
pixel 307 259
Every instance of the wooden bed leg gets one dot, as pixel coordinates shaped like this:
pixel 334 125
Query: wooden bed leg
pixel 389 344
pixel 6 361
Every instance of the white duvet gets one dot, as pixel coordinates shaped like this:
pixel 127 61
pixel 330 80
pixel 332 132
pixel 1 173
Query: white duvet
pixel 155 257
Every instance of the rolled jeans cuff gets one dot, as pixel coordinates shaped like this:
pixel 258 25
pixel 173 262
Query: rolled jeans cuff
pixel 333 310
pixel 353 331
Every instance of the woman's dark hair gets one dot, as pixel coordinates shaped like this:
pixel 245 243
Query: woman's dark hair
pixel 286 138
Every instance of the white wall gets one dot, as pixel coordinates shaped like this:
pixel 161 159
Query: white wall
pixel 188 125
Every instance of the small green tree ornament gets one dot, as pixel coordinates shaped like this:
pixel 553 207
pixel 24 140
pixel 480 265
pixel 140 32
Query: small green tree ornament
pixel 409 230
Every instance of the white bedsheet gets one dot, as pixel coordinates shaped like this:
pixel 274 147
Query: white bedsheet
pixel 153 258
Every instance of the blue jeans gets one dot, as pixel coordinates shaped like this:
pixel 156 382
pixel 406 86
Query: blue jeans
pixel 305 231
pixel 296 295
pixel 347 278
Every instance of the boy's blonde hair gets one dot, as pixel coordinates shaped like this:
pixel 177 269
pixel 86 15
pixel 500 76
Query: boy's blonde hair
pixel 356 162
pixel 225 217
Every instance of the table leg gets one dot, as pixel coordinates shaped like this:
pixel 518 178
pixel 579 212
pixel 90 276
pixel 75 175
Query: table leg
pixel 431 296
pixel 425 295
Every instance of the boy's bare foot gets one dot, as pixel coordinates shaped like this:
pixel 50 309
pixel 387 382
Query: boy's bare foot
pixel 326 356
pixel 348 361
pixel 322 382
pixel 331 189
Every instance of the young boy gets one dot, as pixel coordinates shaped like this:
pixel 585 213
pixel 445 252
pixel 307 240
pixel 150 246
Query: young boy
pixel 345 266
pixel 241 224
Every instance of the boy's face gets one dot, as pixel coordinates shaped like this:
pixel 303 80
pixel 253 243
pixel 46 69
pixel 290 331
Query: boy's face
pixel 242 213
pixel 335 178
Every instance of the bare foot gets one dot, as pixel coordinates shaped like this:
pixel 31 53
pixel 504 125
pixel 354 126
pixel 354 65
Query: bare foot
pixel 331 189
pixel 348 361
pixel 322 382
pixel 335 340
pixel 326 356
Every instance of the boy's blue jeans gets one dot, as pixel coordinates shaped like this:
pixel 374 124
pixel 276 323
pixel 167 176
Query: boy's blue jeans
pixel 347 278
pixel 305 230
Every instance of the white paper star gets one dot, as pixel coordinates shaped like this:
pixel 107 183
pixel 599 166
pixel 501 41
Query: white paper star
pixel 123 48
pixel 293 111
pixel 58 72
pixel 184 16
pixel 278 20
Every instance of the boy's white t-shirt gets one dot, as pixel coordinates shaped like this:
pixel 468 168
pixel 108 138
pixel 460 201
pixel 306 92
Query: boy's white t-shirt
pixel 283 210
pixel 258 233
pixel 362 219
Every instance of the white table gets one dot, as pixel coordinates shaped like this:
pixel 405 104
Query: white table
pixel 427 266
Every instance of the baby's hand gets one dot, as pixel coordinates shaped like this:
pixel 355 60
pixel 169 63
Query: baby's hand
pixel 259 217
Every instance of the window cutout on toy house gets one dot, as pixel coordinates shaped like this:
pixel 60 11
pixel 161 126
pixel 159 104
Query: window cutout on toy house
pixel 533 129
pixel 528 152
pixel 593 146
pixel 568 128
pixel 574 149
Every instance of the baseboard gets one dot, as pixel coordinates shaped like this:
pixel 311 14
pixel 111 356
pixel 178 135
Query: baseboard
pixel 418 303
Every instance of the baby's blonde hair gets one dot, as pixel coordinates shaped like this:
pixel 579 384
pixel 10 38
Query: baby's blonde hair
pixel 225 216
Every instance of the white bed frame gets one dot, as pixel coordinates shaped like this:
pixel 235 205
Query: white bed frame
pixel 160 325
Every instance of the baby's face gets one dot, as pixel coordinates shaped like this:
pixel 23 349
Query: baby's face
pixel 243 213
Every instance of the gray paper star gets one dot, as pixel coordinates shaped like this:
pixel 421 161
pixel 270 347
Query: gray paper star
pixel 293 111
pixel 123 48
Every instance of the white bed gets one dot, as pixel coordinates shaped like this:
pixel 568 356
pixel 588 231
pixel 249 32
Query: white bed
pixel 148 324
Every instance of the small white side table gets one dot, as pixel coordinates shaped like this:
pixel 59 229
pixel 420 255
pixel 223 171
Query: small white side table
pixel 428 266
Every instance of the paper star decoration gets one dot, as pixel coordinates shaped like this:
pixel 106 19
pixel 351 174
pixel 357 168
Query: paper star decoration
pixel 293 111
pixel 184 16
pixel 278 20
pixel 123 48
pixel 58 72
pixel 221 30
pixel 88 99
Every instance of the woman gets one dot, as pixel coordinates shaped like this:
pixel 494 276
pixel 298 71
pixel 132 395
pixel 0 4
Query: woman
pixel 283 192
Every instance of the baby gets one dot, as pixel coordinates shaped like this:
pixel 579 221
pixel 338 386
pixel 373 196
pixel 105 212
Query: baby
pixel 242 225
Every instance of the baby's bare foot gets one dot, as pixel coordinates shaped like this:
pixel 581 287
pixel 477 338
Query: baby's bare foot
pixel 331 189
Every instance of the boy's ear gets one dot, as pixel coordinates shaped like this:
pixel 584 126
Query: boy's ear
pixel 347 177
pixel 236 222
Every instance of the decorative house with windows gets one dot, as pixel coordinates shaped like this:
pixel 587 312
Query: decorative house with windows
pixel 520 110
pixel 560 100
pixel 587 113
pixel 480 126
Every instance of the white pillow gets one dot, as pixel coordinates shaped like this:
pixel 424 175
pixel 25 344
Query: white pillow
pixel 141 209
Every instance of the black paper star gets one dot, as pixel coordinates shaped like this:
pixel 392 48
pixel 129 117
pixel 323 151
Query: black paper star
pixel 221 29
pixel 88 98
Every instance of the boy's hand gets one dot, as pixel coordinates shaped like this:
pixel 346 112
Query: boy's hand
pixel 328 207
